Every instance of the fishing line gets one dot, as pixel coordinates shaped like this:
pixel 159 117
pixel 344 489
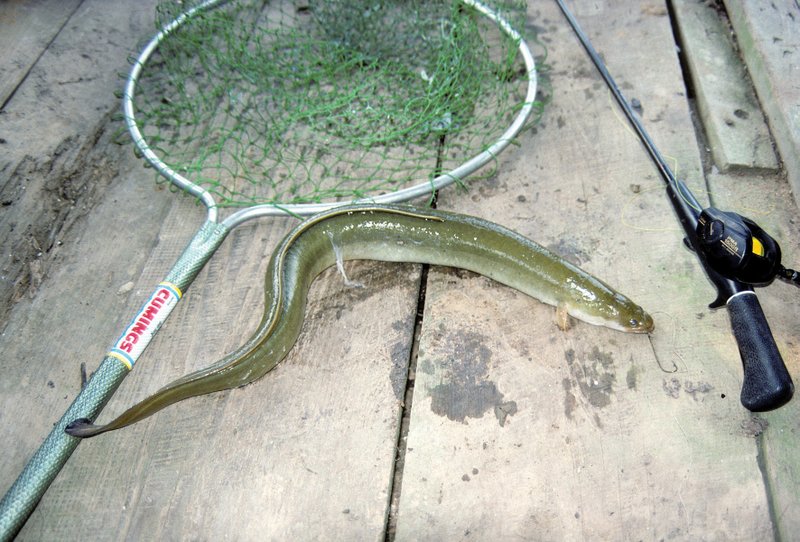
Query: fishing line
pixel 629 203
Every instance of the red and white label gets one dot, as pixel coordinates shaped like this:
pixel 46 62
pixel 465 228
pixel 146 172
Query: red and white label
pixel 145 324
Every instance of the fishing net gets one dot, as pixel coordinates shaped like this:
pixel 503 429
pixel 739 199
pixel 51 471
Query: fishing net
pixel 282 106
pixel 305 101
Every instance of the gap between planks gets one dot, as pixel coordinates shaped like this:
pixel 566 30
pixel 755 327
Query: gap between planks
pixel 7 94
pixel 401 442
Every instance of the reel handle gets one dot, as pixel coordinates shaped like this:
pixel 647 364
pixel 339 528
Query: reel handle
pixel 767 384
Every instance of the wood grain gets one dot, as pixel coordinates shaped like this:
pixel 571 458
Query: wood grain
pixel 532 433
pixel 517 429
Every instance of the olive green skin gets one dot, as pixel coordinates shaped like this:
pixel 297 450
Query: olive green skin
pixel 395 234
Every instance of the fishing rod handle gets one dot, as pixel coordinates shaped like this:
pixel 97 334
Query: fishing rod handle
pixel 767 384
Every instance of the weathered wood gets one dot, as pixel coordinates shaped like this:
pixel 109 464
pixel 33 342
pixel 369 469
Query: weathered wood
pixel 28 28
pixel 734 124
pixel 770 204
pixel 517 428
pixel 310 437
pixel 310 455
pixel 520 430
pixel 55 157
pixel 769 38
pixel 71 310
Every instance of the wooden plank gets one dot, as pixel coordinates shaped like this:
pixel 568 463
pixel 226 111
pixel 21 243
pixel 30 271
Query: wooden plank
pixel 28 28
pixel 768 39
pixel 775 433
pixel 517 429
pixel 50 175
pixel 520 430
pixel 313 444
pixel 281 444
pixel 734 124
pixel 57 168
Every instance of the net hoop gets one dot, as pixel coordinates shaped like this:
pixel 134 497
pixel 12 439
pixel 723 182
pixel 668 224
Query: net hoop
pixel 307 209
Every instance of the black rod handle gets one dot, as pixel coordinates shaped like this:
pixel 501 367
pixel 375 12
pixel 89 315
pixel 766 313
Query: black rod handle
pixel 767 384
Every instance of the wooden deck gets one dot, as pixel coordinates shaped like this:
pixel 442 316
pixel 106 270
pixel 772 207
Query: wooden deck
pixel 496 425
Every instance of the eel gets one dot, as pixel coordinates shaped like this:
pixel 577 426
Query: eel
pixel 392 233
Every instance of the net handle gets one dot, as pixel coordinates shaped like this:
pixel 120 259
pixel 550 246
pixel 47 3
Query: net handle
pixel 306 209
pixel 48 460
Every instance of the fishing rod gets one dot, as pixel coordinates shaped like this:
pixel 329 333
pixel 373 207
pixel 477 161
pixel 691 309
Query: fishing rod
pixel 736 255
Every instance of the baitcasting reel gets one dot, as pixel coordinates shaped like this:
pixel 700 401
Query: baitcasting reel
pixel 737 248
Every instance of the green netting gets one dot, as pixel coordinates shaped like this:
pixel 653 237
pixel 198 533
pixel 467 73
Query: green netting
pixel 310 101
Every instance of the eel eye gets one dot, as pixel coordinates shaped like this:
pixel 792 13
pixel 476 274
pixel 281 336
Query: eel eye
pixel 634 322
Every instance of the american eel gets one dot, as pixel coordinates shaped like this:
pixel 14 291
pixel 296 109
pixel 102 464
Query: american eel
pixel 395 234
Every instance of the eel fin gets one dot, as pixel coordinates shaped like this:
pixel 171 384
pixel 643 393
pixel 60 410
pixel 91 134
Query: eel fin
pixel 563 320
